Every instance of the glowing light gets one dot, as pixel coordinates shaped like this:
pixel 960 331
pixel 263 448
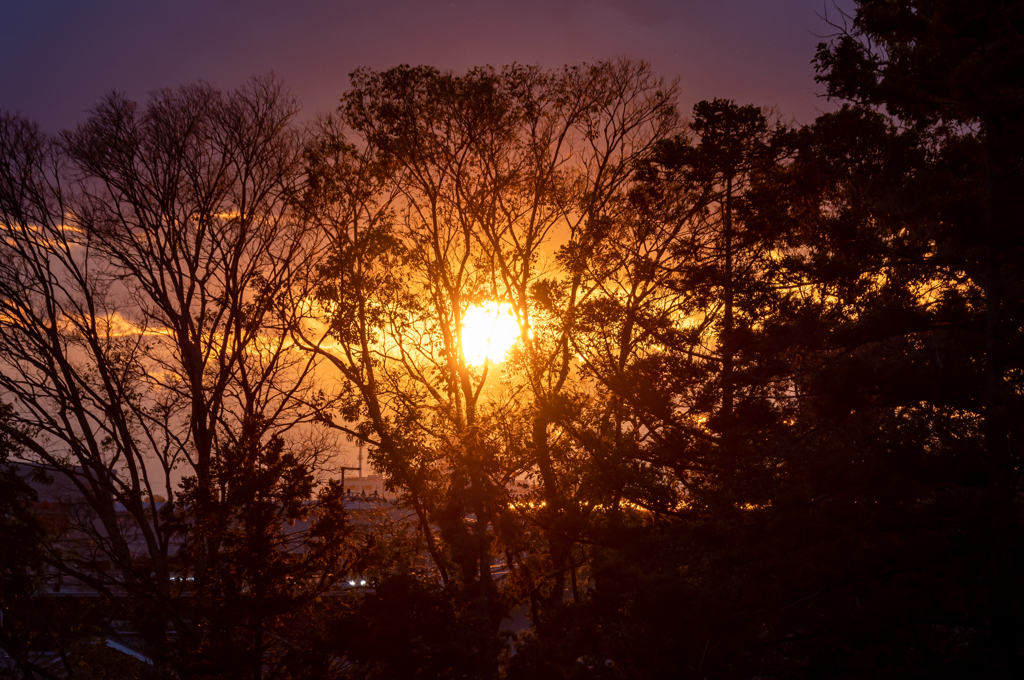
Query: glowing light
pixel 488 332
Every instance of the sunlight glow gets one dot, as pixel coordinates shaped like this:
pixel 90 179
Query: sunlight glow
pixel 488 332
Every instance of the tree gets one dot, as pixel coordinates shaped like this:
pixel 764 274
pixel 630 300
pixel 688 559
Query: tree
pixel 686 282
pixel 942 76
pixel 884 522
pixel 690 435
pixel 462 184
pixel 888 525
pixel 147 259
pixel 275 551
pixel 21 567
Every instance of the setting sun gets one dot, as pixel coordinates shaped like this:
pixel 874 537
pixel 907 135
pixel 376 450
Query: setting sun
pixel 488 332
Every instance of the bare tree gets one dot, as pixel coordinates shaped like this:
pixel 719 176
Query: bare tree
pixel 146 262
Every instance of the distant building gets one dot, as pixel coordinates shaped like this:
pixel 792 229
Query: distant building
pixel 371 485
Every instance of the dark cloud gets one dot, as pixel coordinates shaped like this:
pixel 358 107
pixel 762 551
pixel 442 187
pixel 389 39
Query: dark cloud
pixel 59 56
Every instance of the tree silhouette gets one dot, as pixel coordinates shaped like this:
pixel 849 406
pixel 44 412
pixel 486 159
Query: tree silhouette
pixel 265 566
pixel 762 418
pixel 472 179
pixel 147 259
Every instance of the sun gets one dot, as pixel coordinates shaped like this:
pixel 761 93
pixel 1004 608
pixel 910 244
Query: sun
pixel 488 332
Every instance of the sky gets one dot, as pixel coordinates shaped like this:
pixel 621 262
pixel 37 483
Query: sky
pixel 59 57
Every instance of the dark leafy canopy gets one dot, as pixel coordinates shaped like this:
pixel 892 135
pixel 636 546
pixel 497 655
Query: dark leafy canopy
pixel 768 391
pixel 274 550
pixel 713 202
pixel 891 540
pixel 22 536
pixel 803 457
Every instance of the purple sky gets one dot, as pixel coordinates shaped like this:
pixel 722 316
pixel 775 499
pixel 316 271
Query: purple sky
pixel 58 57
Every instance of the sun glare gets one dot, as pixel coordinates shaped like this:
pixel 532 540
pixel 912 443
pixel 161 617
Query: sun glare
pixel 488 332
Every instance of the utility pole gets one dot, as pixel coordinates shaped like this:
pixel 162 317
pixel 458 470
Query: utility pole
pixel 343 468
pixel 348 467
